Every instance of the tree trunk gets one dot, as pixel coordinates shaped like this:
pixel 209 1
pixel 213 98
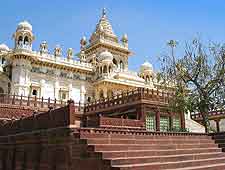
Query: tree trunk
pixel 204 112
pixel 205 122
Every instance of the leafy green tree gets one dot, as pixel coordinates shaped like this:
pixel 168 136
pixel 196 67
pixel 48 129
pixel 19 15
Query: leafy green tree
pixel 199 78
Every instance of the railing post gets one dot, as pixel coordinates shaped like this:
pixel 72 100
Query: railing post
pixel 21 99
pixel 28 101
pixel 42 102
pixel 55 103
pixel 13 99
pixel 7 98
pixel 48 102
pixel 79 106
pixel 35 101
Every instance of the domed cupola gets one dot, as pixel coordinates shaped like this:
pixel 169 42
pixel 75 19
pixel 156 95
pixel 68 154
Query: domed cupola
pixel 23 36
pixel 146 72
pixel 146 67
pixel 4 48
pixel 24 25
pixel 105 65
pixel 105 57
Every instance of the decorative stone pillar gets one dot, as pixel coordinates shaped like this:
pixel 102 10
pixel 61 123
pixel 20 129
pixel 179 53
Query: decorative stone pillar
pixel 170 121
pixel 105 92
pixel 141 113
pixel 70 91
pixel 82 93
pixel 43 88
pixel 157 117
pixel 56 92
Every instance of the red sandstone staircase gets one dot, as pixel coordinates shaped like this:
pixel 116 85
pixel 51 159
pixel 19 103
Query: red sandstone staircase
pixel 131 150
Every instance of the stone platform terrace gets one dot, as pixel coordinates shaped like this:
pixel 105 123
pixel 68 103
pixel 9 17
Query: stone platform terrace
pixel 109 149
pixel 56 140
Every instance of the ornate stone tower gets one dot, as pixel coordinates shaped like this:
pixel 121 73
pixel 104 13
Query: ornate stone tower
pixel 21 58
pixel 104 39
pixel 23 36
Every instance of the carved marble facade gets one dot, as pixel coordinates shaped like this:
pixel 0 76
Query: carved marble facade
pixel 100 68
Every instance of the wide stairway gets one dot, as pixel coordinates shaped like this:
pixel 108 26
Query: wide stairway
pixel 220 139
pixel 133 150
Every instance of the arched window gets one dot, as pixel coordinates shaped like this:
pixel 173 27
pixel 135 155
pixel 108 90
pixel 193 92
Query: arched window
pixel 101 95
pixel 147 79
pixel 115 62
pixel 105 69
pixel 109 93
pixel 26 40
pixel 89 99
pixel 34 92
pixel 3 61
pixel 121 65
pixel 20 40
pixel 1 90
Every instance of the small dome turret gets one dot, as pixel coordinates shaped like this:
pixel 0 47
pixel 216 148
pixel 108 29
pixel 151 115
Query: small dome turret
pixel 44 47
pixel 146 66
pixel 24 25
pixel 70 54
pixel 57 51
pixel 83 42
pixel 23 36
pixel 124 40
pixel 4 47
pixel 105 56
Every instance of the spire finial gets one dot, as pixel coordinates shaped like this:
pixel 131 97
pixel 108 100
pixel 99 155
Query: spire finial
pixel 104 12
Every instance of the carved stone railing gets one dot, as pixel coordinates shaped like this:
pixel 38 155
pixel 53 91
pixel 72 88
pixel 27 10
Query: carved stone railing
pixel 111 132
pixel 109 122
pixel 211 115
pixel 66 116
pixel 153 96
pixel 33 102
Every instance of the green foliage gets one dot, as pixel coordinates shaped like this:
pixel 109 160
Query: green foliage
pixel 198 78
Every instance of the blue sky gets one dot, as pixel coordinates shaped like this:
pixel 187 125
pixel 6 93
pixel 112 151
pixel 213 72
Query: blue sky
pixel 148 23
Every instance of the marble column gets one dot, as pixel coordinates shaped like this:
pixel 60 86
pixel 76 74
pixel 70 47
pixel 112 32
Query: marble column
pixel 82 93
pixel 70 91
pixel 42 92
pixel 56 92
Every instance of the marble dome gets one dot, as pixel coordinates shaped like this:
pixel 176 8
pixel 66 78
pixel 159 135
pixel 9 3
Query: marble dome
pixel 146 66
pixel 105 56
pixel 24 25
pixel 4 47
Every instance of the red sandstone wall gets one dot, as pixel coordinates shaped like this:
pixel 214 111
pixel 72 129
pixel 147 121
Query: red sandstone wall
pixel 60 117
pixel 14 112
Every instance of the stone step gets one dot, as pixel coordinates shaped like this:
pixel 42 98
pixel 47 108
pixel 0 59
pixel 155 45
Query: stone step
pixel 170 158
pixel 147 141
pixel 204 167
pixel 220 141
pixel 171 165
pixel 139 136
pixel 125 147
pixel 141 153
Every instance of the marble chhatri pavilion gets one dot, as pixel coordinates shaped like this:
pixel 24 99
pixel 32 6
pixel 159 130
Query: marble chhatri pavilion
pixel 101 69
